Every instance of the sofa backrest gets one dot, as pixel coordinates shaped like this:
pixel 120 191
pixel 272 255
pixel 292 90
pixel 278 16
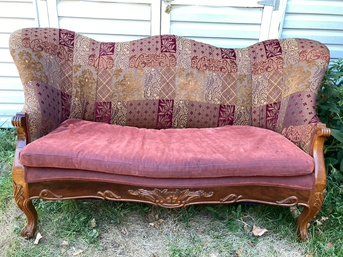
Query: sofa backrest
pixel 166 81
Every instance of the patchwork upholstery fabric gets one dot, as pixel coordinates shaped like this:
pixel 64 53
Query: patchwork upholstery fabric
pixel 286 77
pixel 169 82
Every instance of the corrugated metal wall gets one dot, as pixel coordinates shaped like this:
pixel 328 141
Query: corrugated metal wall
pixel 320 20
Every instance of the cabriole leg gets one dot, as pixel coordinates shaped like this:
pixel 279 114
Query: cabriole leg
pixel 25 204
pixel 309 213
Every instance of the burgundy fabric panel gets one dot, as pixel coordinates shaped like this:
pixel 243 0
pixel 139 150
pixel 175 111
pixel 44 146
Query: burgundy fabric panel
pixel 38 175
pixel 227 151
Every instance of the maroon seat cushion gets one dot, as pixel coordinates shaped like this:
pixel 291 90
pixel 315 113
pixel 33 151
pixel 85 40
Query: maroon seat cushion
pixel 41 175
pixel 231 151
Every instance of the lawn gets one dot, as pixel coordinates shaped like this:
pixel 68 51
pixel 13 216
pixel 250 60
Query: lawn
pixel 100 228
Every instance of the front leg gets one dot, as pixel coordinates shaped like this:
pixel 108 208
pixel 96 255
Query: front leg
pixel 309 213
pixel 25 204
pixel 20 186
pixel 316 198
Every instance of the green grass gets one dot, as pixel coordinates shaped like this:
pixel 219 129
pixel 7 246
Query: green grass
pixel 223 230
pixel 7 147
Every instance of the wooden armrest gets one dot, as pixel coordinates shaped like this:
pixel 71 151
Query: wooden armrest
pixel 323 131
pixel 320 136
pixel 19 121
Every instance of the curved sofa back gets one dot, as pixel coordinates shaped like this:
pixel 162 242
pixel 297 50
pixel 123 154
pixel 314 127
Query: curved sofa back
pixel 166 81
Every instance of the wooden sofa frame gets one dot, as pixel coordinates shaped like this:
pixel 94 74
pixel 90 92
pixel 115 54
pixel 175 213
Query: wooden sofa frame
pixel 311 201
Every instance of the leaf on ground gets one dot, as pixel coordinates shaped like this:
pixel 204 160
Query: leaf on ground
pixel 295 211
pixel 329 246
pixel 320 221
pixel 152 217
pixel 156 224
pixel 257 231
pixel 77 252
pixel 239 252
pixel 124 231
pixel 246 228
pixel 38 238
pixel 65 243
pixel 93 223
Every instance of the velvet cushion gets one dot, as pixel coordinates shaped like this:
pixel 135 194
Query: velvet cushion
pixel 230 151
pixel 40 175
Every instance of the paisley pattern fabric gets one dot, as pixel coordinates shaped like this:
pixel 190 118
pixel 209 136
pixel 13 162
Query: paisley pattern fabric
pixel 168 82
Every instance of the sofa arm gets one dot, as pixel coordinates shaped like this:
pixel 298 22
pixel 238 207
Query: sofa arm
pixel 19 121
pixel 304 136
pixel 301 135
pixel 322 133
pixel 311 138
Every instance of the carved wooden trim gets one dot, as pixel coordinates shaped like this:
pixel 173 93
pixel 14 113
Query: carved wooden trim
pixel 231 198
pixel 108 195
pixel 310 212
pixel 318 199
pixel 19 194
pixel 323 130
pixel 287 202
pixel 26 206
pixel 170 199
pixel 48 195
pixel 318 155
pixel 19 121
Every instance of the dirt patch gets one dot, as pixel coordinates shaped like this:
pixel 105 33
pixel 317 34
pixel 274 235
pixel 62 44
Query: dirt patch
pixel 8 224
pixel 153 235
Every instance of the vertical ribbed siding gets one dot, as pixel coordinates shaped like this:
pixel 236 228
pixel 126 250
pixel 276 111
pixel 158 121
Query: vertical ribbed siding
pixel 13 16
pixel 221 26
pixel 106 21
pixel 320 20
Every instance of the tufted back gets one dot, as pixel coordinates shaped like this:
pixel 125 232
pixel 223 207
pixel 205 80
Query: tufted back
pixel 166 81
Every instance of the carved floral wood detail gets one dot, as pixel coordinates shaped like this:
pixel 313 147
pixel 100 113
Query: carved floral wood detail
pixel 287 202
pixel 170 199
pixel 108 195
pixel 318 199
pixel 46 194
pixel 231 198
pixel 19 194
pixel 310 212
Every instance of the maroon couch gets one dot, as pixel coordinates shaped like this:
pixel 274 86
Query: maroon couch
pixel 168 121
